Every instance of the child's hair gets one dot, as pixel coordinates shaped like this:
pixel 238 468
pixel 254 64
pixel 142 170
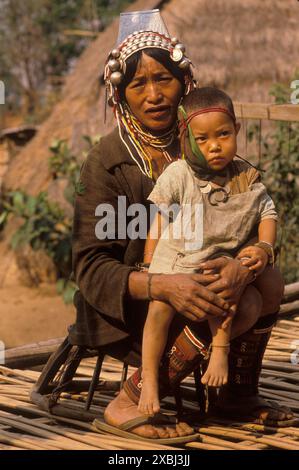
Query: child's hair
pixel 207 97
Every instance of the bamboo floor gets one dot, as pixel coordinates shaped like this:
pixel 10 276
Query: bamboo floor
pixel 24 426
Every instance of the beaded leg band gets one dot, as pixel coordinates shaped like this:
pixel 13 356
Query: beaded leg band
pixel 183 355
pixel 246 355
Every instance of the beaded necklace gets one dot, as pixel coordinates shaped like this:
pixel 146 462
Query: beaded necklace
pixel 137 136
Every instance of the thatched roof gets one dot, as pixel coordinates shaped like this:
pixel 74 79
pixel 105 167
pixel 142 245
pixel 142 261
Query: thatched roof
pixel 240 46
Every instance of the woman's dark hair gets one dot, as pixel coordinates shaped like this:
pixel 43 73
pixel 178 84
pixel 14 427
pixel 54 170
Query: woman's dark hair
pixel 160 55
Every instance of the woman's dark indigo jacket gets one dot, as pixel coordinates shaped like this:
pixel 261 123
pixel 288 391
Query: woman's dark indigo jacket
pixel 102 267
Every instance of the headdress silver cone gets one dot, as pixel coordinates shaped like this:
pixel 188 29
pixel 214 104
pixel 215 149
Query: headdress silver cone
pixel 147 20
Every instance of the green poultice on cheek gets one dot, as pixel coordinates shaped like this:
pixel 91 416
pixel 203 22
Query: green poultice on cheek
pixel 193 144
pixel 196 150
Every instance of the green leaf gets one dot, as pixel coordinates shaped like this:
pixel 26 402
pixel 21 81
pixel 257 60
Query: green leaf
pixel 17 240
pixel 31 205
pixel 3 217
pixel 18 200
pixel 80 188
pixel 69 194
pixel 60 285
pixel 55 145
pixel 69 292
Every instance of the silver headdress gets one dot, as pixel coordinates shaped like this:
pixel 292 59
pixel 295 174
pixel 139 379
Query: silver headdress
pixel 137 31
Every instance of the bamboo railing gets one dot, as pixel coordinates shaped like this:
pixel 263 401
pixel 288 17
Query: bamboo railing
pixel 272 112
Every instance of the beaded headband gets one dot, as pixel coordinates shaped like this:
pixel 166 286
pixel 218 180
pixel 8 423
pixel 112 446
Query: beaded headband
pixel 189 118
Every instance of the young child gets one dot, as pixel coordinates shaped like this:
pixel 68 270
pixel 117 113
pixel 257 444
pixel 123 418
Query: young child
pixel 229 208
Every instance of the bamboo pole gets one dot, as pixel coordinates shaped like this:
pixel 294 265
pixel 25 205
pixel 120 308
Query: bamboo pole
pixel 204 446
pixel 106 440
pixel 285 112
pixel 286 333
pixel 291 307
pixel 291 291
pixel 22 443
pixel 273 442
pixel 62 443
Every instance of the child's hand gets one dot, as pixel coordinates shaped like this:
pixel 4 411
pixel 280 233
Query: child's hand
pixel 258 258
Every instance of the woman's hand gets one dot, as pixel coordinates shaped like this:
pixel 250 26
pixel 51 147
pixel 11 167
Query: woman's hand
pixel 233 278
pixel 189 295
pixel 257 259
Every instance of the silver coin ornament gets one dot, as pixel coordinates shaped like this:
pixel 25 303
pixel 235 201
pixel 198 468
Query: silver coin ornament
pixel 174 41
pixel 206 189
pixel 115 53
pixel 202 183
pixel 116 78
pixel 114 65
pixel 177 55
pixel 184 64
pixel 218 195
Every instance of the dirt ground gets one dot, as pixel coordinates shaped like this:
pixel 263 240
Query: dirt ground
pixel 28 315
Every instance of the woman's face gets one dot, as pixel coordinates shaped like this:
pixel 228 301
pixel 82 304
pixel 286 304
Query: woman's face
pixel 153 95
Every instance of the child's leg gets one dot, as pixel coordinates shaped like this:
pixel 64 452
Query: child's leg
pixel 270 284
pixel 217 371
pixel 249 310
pixel 155 335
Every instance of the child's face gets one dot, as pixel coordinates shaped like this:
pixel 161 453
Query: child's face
pixel 216 136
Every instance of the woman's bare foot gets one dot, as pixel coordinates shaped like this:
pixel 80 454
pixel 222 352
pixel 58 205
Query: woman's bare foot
pixel 149 399
pixel 122 409
pixel 217 372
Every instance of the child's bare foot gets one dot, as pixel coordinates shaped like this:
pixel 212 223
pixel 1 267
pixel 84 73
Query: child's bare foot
pixel 217 371
pixel 149 399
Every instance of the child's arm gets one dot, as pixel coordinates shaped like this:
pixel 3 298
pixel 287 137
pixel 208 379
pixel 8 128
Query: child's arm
pixel 261 253
pixel 152 238
pixel 267 231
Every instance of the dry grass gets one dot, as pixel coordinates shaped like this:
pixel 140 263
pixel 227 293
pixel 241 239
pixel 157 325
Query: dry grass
pixel 243 47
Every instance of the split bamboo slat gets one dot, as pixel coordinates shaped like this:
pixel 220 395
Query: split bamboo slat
pixel 24 426
pixel 274 112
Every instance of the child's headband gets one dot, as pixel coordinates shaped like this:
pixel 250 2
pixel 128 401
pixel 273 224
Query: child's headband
pixel 187 119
